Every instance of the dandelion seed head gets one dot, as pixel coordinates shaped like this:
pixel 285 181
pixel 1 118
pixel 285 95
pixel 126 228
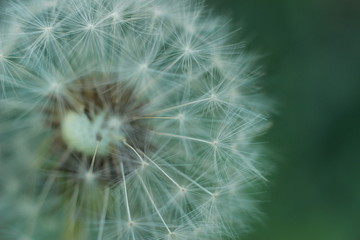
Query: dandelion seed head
pixel 143 67
pixel 55 87
pixel 115 15
pixel 136 120
pixel 48 30
pixel 215 143
pixel 181 116
pixel 188 50
pixel 131 224
pixel 213 96
pixel 89 176
pixel 90 27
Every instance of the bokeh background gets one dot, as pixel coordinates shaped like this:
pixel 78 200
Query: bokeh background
pixel 312 66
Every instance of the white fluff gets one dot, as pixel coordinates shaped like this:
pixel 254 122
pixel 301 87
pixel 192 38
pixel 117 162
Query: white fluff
pixel 143 114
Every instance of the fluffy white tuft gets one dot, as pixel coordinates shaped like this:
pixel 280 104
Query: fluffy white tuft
pixel 125 120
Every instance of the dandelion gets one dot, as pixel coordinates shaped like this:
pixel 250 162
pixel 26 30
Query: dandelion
pixel 125 120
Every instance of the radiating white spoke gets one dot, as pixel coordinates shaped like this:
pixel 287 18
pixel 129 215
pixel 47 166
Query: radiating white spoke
pixel 194 182
pixel 179 106
pixel 158 167
pixel 125 191
pixel 133 149
pixel 103 213
pixel 153 203
pixel 182 137
pixel 94 156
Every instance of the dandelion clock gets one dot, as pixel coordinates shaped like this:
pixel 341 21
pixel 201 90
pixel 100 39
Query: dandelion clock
pixel 126 120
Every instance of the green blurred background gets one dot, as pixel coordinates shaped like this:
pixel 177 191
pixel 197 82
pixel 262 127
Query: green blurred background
pixel 312 67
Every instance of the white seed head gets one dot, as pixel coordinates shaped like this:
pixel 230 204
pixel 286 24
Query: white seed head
pixel 90 27
pixel 89 177
pixel 47 30
pixel 143 113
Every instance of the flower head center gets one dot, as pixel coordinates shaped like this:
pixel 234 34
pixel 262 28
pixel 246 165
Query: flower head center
pixel 84 135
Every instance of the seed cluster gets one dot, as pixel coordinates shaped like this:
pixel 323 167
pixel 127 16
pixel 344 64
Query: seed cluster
pixel 99 123
pixel 126 120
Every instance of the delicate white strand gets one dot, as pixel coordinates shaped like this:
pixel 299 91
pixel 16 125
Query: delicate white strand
pixel 161 170
pixel 182 137
pixel 179 106
pixel 125 191
pixel 153 203
pixel 103 213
